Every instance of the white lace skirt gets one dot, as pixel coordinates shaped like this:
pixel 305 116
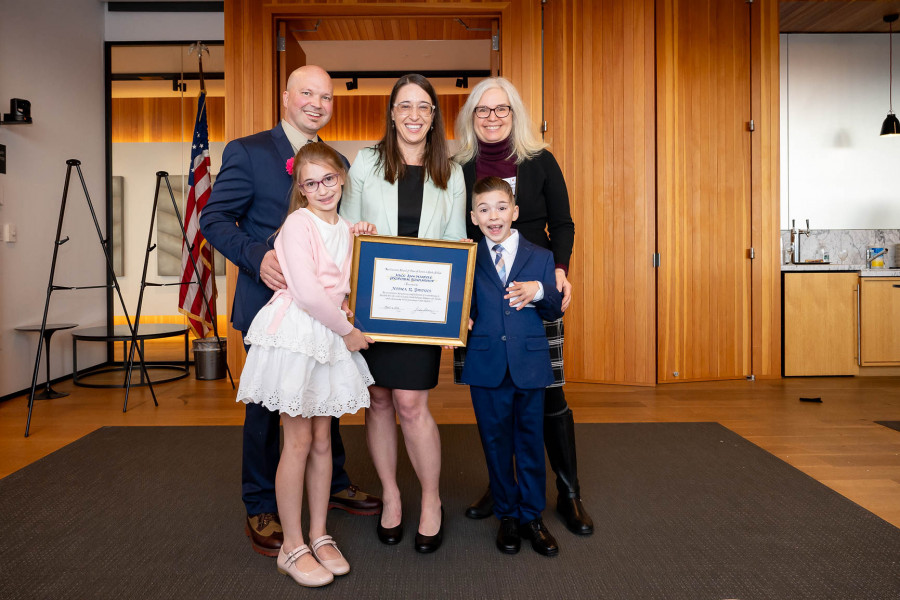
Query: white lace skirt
pixel 303 369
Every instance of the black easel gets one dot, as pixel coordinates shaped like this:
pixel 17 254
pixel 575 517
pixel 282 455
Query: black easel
pixel 144 283
pixel 104 244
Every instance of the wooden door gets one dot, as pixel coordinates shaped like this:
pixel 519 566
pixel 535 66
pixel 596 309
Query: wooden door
pixel 820 323
pixel 703 203
pixel 599 107
pixel 880 321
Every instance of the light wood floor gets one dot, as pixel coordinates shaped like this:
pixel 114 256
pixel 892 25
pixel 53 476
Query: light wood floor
pixel 835 442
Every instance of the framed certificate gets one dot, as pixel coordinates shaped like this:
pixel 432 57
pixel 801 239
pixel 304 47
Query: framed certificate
pixel 412 290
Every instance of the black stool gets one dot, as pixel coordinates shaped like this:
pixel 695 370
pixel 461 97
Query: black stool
pixel 49 393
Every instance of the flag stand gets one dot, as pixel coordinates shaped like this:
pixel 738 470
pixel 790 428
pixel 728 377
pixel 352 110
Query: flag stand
pixel 111 276
pixel 144 283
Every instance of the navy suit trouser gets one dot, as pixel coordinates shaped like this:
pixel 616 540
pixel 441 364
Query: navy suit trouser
pixel 511 424
pixel 261 452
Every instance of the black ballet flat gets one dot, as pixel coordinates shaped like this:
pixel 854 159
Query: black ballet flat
pixel 390 536
pixel 429 543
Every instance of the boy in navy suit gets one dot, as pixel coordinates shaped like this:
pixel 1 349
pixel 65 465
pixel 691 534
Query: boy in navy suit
pixel 508 364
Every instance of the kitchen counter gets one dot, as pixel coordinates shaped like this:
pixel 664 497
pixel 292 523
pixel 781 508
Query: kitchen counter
pixel 822 267
pixel 808 267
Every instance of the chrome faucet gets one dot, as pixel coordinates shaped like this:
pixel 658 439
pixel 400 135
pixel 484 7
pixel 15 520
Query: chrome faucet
pixel 795 240
pixel 870 257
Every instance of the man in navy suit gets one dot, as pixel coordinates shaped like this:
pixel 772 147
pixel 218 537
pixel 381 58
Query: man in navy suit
pixel 249 202
pixel 508 364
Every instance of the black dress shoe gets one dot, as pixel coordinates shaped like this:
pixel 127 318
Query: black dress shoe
pixel 481 508
pixel 542 540
pixel 429 543
pixel 390 536
pixel 576 517
pixel 508 539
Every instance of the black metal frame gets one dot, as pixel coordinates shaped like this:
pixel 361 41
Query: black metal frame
pixel 110 276
pixel 160 175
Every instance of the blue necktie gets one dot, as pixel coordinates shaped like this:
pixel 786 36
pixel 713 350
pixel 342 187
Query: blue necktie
pixel 499 263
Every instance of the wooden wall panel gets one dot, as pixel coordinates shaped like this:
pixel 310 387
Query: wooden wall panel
pixel 164 119
pixel 362 117
pixel 766 226
pixel 599 94
pixel 703 205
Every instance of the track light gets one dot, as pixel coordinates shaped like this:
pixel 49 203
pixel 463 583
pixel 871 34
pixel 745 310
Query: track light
pixel 353 84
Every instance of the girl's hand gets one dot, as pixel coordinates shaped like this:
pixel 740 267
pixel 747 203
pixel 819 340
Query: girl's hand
pixel 563 286
pixel 364 228
pixel 345 306
pixel 357 340
pixel 521 293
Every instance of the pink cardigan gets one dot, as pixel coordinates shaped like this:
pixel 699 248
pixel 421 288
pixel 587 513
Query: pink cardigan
pixel 314 282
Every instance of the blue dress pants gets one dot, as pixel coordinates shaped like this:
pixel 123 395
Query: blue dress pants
pixel 511 424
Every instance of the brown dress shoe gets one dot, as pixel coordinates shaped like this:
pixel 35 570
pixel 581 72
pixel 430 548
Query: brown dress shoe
pixel 356 501
pixel 265 533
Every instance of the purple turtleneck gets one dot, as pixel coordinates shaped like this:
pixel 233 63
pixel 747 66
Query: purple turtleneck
pixel 494 160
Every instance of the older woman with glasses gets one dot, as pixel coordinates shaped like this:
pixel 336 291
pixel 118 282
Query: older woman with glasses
pixel 407 185
pixel 496 138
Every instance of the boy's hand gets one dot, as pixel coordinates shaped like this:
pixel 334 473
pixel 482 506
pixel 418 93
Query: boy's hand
pixel 564 287
pixel 363 228
pixel 357 340
pixel 521 293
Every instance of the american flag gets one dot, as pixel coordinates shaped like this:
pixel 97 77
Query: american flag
pixel 190 300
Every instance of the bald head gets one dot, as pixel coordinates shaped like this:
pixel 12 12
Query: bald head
pixel 308 100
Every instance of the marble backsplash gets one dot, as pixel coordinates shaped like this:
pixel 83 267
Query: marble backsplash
pixel 854 241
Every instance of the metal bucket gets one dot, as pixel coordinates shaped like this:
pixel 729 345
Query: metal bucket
pixel 209 358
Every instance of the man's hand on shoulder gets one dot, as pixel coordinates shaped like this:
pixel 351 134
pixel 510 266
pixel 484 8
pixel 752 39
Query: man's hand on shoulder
pixel 270 272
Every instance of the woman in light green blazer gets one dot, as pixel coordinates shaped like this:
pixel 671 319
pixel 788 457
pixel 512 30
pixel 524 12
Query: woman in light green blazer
pixel 407 185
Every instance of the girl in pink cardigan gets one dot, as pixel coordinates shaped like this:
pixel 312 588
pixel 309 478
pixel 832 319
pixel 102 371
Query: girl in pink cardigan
pixel 304 361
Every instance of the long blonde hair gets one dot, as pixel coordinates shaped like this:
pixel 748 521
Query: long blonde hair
pixel 525 142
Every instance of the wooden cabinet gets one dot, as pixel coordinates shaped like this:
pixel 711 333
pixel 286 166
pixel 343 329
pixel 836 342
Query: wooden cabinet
pixel 820 323
pixel 880 321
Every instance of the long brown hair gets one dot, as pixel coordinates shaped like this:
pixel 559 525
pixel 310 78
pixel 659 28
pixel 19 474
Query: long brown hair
pixel 314 152
pixel 437 157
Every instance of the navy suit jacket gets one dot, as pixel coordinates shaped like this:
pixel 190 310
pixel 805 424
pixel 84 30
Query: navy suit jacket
pixel 249 202
pixel 503 337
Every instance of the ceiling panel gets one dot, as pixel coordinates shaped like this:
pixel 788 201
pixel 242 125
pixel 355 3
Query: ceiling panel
pixel 836 16
pixel 367 29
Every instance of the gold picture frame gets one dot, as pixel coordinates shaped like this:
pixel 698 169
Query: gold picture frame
pixel 412 290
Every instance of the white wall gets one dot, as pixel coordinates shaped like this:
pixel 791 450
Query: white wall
pixel 52 55
pixel 138 164
pixel 159 27
pixel 836 170
pixel 61 73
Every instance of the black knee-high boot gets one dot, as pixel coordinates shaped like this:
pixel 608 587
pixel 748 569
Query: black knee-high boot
pixel 559 440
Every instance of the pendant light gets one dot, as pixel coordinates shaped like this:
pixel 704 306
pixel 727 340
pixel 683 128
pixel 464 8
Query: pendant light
pixel 891 125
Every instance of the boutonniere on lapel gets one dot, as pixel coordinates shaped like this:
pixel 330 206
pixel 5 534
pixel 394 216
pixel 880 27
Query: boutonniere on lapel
pixel 289 166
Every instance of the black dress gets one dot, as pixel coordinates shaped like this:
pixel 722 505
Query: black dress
pixel 406 366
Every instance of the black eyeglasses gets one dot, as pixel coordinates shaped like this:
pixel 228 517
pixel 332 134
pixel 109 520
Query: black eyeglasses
pixel 502 111
pixel 311 185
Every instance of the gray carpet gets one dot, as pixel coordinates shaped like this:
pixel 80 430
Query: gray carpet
pixel 682 511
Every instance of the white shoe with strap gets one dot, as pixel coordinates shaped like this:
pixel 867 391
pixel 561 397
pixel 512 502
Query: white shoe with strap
pixel 287 565
pixel 338 566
